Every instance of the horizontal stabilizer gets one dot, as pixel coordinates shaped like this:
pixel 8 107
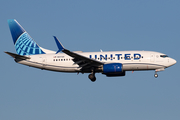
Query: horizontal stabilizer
pixel 16 56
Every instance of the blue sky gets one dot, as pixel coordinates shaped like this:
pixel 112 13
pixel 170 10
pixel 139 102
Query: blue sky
pixel 30 93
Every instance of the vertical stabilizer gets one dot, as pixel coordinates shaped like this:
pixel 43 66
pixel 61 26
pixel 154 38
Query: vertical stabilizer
pixel 24 44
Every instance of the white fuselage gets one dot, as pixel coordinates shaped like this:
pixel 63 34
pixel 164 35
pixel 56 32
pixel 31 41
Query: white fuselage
pixel 131 60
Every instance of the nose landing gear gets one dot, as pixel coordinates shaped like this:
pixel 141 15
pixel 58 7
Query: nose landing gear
pixel 155 75
pixel 157 70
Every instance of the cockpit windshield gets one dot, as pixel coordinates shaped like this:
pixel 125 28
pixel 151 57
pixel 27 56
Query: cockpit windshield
pixel 163 56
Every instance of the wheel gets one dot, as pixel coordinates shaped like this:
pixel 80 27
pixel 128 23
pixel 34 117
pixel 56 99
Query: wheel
pixel 92 77
pixel 156 75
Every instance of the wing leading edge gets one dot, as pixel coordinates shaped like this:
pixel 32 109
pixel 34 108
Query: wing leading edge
pixel 82 61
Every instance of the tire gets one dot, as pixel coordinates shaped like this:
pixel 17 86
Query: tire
pixel 92 77
pixel 155 75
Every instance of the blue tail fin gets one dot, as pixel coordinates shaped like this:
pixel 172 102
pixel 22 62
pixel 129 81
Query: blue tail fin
pixel 24 44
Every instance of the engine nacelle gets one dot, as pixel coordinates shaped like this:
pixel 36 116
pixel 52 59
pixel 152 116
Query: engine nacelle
pixel 112 68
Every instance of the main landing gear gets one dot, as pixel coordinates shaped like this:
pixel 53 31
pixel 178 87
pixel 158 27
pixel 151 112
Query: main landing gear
pixel 92 76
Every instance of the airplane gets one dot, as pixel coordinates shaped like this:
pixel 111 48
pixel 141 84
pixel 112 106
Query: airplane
pixel 111 64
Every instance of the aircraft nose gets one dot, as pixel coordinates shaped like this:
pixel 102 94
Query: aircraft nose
pixel 173 61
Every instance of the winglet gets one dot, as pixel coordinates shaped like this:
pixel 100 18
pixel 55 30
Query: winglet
pixel 59 45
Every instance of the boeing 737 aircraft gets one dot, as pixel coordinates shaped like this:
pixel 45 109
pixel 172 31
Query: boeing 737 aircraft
pixel 113 63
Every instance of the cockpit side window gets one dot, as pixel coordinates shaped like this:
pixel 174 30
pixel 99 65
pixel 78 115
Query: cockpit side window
pixel 163 56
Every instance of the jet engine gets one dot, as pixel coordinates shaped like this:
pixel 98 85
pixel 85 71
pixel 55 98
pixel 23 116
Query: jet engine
pixel 113 69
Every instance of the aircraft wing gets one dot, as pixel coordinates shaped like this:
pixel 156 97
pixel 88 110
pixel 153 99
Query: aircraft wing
pixel 82 61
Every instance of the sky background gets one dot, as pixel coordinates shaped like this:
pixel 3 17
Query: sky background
pixel 90 25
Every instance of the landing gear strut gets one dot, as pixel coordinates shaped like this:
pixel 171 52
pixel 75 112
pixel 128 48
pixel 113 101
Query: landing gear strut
pixel 92 76
pixel 157 70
